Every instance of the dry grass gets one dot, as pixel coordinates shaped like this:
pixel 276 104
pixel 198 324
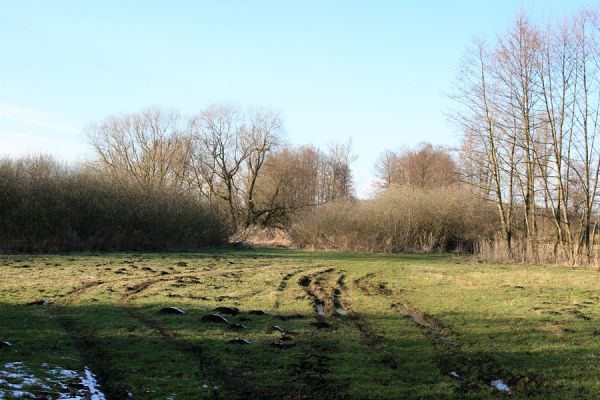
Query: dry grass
pixel 400 219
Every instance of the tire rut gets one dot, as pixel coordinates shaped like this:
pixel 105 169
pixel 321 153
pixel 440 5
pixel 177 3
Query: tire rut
pixel 368 333
pixel 283 285
pixel 474 373
pixel 143 286
pixel 91 352
pixel 315 365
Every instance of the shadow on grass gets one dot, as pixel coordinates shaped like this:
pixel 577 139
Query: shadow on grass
pixel 140 351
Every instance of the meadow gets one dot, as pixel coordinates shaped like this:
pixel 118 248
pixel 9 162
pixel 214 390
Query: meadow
pixel 291 324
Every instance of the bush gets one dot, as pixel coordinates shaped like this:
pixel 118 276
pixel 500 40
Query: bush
pixel 46 206
pixel 401 219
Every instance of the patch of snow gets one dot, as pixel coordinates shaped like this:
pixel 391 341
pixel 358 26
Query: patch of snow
pixel 21 394
pixel 320 309
pixel 500 385
pixel 20 382
pixel 89 381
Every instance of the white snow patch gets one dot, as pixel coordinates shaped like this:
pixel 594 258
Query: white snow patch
pixel 500 385
pixel 320 309
pixel 89 381
pixel 65 384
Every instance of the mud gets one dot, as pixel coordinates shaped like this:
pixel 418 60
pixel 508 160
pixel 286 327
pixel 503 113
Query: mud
pixel 315 364
pixel 227 310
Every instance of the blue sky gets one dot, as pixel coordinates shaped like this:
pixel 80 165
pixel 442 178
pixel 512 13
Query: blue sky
pixel 373 71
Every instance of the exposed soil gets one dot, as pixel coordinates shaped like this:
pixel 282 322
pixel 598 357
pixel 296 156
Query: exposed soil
pixel 314 367
pixel 143 286
pixel 282 286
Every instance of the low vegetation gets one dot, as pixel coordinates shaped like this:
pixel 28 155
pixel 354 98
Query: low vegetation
pixel 400 219
pixel 46 206
pixel 317 325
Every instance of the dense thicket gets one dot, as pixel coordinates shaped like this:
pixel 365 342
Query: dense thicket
pixel 402 218
pixel 163 181
pixel 46 206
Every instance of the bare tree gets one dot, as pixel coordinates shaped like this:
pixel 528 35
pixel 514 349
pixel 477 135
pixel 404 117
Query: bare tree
pixel 230 148
pixel 425 166
pixel 219 154
pixel 145 147
pixel 529 108
pixel 260 137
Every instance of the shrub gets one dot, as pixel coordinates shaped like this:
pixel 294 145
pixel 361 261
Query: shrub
pixel 46 206
pixel 399 219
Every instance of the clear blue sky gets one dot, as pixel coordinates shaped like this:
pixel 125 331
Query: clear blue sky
pixel 373 71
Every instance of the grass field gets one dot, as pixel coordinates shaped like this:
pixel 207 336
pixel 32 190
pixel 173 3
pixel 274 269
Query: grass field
pixel 317 326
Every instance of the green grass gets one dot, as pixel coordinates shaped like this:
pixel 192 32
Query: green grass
pixel 411 320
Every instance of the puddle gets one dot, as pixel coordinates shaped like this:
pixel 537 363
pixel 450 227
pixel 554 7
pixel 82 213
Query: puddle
pixel 57 383
pixel 498 384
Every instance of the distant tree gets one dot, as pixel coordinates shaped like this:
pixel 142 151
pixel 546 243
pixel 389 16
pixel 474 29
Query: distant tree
pixel 146 148
pixel 426 166
pixel 230 147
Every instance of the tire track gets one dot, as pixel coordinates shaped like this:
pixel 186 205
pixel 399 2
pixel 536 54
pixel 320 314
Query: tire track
pixel 368 333
pixel 473 372
pixel 315 365
pixel 283 285
pixel 91 352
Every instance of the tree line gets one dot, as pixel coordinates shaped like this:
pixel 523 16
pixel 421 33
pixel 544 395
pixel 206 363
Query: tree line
pixel 528 104
pixel 234 159
pixel 161 180
pixel 522 186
